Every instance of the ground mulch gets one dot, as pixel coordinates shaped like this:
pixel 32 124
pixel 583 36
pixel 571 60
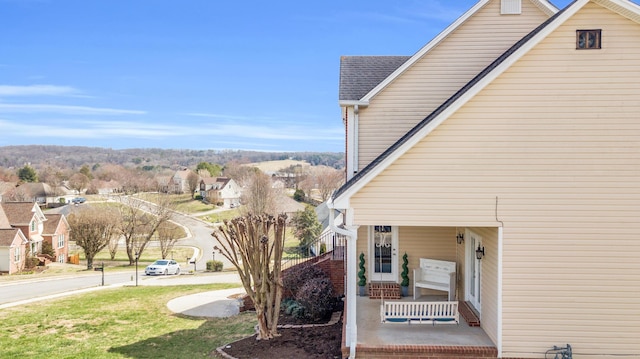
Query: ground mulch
pixel 315 342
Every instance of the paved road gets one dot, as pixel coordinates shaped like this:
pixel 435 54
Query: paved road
pixel 198 236
pixel 19 290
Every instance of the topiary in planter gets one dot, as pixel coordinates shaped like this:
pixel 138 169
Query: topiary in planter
pixel 405 275
pixel 361 275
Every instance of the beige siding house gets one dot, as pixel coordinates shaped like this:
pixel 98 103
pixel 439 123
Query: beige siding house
pixel 532 155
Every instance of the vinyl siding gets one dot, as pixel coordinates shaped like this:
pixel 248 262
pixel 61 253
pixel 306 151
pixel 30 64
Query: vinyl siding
pixel 552 149
pixel 439 74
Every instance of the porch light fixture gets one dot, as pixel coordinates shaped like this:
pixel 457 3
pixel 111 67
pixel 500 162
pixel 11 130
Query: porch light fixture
pixel 479 252
pixel 460 238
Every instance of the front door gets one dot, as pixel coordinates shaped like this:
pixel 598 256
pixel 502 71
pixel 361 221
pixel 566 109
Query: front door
pixel 473 270
pixel 383 244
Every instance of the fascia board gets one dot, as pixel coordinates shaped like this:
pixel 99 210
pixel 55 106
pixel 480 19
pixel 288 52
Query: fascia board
pixel 456 105
pixel 546 7
pixel 348 103
pixel 425 49
pixel 625 8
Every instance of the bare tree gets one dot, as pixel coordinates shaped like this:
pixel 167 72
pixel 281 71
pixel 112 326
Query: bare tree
pixel 259 195
pixel 240 173
pixel 17 194
pixel 193 181
pixel 92 229
pixel 328 180
pixel 140 221
pixel 54 178
pixel 113 244
pixel 168 235
pixel 254 245
pixel 78 182
pixel 325 180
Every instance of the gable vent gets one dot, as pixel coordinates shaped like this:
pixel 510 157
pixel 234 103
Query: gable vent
pixel 511 7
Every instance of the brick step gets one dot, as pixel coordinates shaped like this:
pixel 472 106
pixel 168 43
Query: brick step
pixel 383 290
pixel 468 314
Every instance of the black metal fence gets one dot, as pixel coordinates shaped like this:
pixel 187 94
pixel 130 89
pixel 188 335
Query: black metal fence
pixel 329 243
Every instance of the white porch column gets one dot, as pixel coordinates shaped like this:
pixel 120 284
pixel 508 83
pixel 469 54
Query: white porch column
pixel 351 232
pixel 352 330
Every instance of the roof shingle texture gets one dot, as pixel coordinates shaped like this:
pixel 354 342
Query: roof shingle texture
pixel 360 74
pixel 7 235
pixel 18 213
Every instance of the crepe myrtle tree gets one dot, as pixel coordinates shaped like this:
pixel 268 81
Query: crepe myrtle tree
pixel 254 245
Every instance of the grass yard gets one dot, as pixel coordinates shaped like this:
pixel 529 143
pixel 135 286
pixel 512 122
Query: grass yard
pixel 127 322
pixel 183 202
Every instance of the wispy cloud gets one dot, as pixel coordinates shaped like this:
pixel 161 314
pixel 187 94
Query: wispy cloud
pixel 37 90
pixel 226 117
pixel 120 129
pixel 66 110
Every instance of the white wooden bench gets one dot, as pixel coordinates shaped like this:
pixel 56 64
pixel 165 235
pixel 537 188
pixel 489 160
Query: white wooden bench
pixel 419 312
pixel 435 274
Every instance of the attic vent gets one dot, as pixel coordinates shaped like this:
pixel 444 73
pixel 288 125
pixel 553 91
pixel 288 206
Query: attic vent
pixel 511 7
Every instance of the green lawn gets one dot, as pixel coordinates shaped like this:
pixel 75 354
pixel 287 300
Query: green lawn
pixel 183 202
pixel 127 322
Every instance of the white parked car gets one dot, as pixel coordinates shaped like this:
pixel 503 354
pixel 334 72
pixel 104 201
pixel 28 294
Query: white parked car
pixel 163 266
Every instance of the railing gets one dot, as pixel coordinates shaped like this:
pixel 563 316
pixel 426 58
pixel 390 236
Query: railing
pixel 329 242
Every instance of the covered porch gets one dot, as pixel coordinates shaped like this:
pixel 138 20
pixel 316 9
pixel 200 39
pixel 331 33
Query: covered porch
pixel 475 279
pixel 383 340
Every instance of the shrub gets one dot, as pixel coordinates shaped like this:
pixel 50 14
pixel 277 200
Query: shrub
pixel 317 298
pixel 296 277
pixel 323 248
pixel 292 308
pixel 299 195
pixel 215 266
pixel 48 249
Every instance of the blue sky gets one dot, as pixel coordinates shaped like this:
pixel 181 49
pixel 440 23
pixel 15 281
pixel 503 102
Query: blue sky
pixel 194 74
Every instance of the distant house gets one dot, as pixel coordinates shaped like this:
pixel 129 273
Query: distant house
pixel 220 190
pixel 179 182
pixel 37 192
pixel 29 219
pixel 12 250
pixel 56 233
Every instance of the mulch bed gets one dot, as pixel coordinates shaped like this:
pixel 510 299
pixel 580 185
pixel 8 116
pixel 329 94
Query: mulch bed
pixel 313 342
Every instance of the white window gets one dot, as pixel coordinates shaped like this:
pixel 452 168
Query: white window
pixel 33 226
pixel 17 254
pixel 60 240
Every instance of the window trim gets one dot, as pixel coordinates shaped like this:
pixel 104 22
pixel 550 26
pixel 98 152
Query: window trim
pixel 598 36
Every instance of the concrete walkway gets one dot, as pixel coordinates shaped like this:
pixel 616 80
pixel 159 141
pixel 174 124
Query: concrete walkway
pixel 214 304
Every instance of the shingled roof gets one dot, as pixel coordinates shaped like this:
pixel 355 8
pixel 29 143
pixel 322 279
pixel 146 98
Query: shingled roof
pixel 360 74
pixel 19 213
pixel 7 235
pixel 52 223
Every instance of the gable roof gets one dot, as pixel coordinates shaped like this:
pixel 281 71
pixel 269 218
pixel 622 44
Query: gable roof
pixel 52 223
pixel 21 213
pixel 543 5
pixel 8 235
pixel 360 74
pixel 37 189
pixel 623 7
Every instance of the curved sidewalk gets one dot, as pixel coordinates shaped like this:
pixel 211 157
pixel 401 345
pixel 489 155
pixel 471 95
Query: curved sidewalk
pixel 215 304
